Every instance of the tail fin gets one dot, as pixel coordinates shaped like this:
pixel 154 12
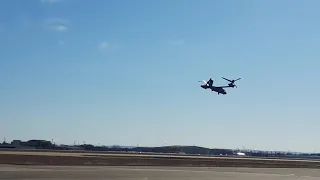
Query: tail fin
pixel 210 82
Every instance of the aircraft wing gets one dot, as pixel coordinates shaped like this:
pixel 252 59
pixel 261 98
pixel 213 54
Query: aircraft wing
pixel 223 86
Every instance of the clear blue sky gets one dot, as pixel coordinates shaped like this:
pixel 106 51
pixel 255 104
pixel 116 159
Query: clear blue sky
pixel 125 72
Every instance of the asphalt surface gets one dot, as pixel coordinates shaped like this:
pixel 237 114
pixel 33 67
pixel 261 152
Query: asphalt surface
pixel 152 173
pixel 51 153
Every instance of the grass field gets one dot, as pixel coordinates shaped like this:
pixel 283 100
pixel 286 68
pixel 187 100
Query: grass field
pixel 129 159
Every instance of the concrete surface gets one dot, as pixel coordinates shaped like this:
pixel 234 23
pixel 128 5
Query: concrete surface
pixel 152 173
pixel 22 159
pixel 154 155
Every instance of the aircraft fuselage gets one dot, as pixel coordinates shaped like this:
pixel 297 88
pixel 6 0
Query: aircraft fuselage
pixel 219 90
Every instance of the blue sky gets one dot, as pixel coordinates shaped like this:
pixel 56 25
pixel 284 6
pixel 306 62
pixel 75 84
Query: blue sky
pixel 125 72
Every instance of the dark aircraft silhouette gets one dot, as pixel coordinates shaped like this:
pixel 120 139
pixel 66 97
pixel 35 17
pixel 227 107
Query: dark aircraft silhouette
pixel 218 89
pixel 231 84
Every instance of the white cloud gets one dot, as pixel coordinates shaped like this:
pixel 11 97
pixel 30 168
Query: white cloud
pixel 57 24
pixel 61 28
pixel 103 45
pixel 50 1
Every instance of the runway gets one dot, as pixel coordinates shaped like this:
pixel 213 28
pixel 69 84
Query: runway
pixel 152 173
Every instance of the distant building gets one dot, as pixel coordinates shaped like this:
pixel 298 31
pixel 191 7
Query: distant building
pixel 38 142
pixel 16 142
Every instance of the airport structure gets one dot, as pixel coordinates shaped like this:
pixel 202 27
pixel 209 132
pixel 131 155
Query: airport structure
pixel 181 150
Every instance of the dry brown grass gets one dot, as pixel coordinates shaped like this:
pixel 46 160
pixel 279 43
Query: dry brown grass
pixel 58 158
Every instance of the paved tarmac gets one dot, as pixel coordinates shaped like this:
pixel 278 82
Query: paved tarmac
pixel 152 173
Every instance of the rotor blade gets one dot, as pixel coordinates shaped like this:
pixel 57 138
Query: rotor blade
pixel 237 79
pixel 226 79
pixel 203 81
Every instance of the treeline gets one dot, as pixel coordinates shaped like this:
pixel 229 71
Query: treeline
pixel 193 150
pixel 188 150
pixel 43 144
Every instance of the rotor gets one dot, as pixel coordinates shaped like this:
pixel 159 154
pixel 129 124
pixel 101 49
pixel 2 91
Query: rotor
pixel 205 82
pixel 231 84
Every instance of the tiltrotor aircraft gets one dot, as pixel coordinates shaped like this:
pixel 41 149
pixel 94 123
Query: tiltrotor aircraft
pixel 218 89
